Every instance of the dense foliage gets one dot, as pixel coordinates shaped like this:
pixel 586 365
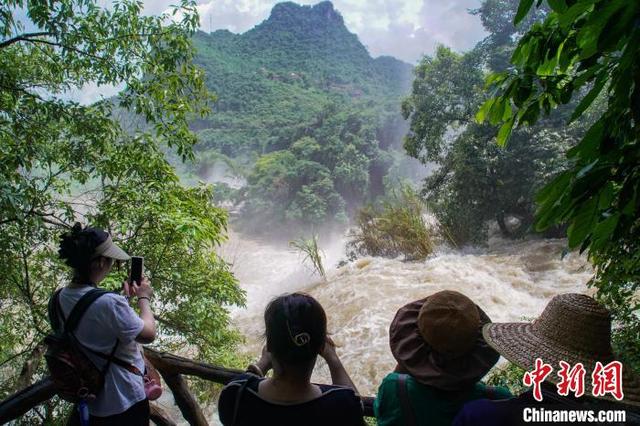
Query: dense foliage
pixel 593 45
pixel 395 227
pixel 61 161
pixel 306 111
pixel 476 182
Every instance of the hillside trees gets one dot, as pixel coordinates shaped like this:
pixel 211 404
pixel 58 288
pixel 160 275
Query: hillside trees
pixel 476 182
pixel 301 74
pixel 62 161
pixel 592 46
pixel 321 177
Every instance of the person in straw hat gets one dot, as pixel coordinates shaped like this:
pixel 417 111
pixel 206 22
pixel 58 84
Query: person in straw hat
pixel 574 329
pixel 441 357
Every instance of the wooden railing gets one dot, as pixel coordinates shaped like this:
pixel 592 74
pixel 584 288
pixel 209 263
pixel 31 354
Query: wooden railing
pixel 171 368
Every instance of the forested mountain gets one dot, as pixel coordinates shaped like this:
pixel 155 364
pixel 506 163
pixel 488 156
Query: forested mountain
pixel 307 110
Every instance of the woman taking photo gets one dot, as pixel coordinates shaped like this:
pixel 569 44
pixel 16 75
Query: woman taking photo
pixel 108 327
pixel 296 333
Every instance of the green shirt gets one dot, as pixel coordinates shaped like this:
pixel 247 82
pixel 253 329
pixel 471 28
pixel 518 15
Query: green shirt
pixel 431 406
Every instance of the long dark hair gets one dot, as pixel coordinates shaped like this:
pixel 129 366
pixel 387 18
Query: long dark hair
pixel 77 249
pixel 296 328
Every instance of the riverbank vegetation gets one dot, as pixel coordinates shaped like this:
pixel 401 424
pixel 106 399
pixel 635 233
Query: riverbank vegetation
pixel 476 182
pixel 593 47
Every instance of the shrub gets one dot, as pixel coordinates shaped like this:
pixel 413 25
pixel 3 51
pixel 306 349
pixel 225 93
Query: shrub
pixel 397 227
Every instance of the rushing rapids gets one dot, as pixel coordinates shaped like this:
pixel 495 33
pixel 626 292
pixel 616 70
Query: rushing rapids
pixel 510 280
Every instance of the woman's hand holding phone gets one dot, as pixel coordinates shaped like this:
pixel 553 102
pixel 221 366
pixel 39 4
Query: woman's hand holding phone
pixel 144 289
pixel 133 289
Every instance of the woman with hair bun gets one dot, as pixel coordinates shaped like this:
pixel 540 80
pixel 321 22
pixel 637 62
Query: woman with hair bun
pixel 296 333
pixel 109 330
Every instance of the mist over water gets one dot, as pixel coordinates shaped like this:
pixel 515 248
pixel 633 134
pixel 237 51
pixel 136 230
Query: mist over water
pixel 510 280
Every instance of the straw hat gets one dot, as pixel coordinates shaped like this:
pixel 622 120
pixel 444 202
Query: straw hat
pixel 572 328
pixel 438 340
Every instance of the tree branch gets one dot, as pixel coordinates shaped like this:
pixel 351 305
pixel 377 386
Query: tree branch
pixel 23 37
pixel 62 46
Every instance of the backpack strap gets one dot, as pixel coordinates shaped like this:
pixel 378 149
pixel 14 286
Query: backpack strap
pixel 112 359
pixel 81 307
pixel 236 406
pixel 405 402
pixel 54 312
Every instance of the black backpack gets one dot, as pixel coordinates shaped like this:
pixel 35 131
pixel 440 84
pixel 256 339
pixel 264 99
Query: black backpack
pixel 74 375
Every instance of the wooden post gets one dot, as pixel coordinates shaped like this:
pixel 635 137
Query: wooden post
pixel 19 403
pixel 159 416
pixel 184 399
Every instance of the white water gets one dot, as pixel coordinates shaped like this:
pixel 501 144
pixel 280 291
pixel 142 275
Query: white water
pixel 509 280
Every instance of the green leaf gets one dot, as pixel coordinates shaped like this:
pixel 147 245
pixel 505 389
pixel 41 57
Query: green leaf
pixel 530 114
pixel 497 111
pixel 588 36
pixel 523 9
pixel 607 195
pixel 547 68
pixel 482 113
pixel 505 132
pixel 588 146
pixel 554 204
pixel 604 230
pixel 568 18
pixel 582 223
pixel 553 188
pixel 559 6
pixel 614 30
pixel 588 99
pixel 495 78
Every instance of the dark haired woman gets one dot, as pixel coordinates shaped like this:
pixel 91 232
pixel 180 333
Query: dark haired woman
pixel 108 326
pixel 296 333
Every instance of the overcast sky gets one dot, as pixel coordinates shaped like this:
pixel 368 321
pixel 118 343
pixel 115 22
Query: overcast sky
pixel 406 29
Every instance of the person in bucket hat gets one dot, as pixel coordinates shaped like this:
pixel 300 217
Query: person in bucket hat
pixel 573 329
pixel 441 358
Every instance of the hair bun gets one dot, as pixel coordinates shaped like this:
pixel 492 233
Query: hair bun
pixel 77 228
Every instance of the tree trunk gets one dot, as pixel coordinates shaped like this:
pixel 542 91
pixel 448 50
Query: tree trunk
pixel 502 224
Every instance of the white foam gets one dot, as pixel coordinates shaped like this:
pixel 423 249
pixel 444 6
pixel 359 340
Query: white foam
pixel 509 280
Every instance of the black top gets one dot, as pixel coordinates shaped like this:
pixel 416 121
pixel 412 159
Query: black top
pixel 337 406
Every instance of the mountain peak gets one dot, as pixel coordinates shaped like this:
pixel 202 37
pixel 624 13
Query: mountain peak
pixel 320 11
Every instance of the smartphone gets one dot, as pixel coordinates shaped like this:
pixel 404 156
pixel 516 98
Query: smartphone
pixel 137 268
